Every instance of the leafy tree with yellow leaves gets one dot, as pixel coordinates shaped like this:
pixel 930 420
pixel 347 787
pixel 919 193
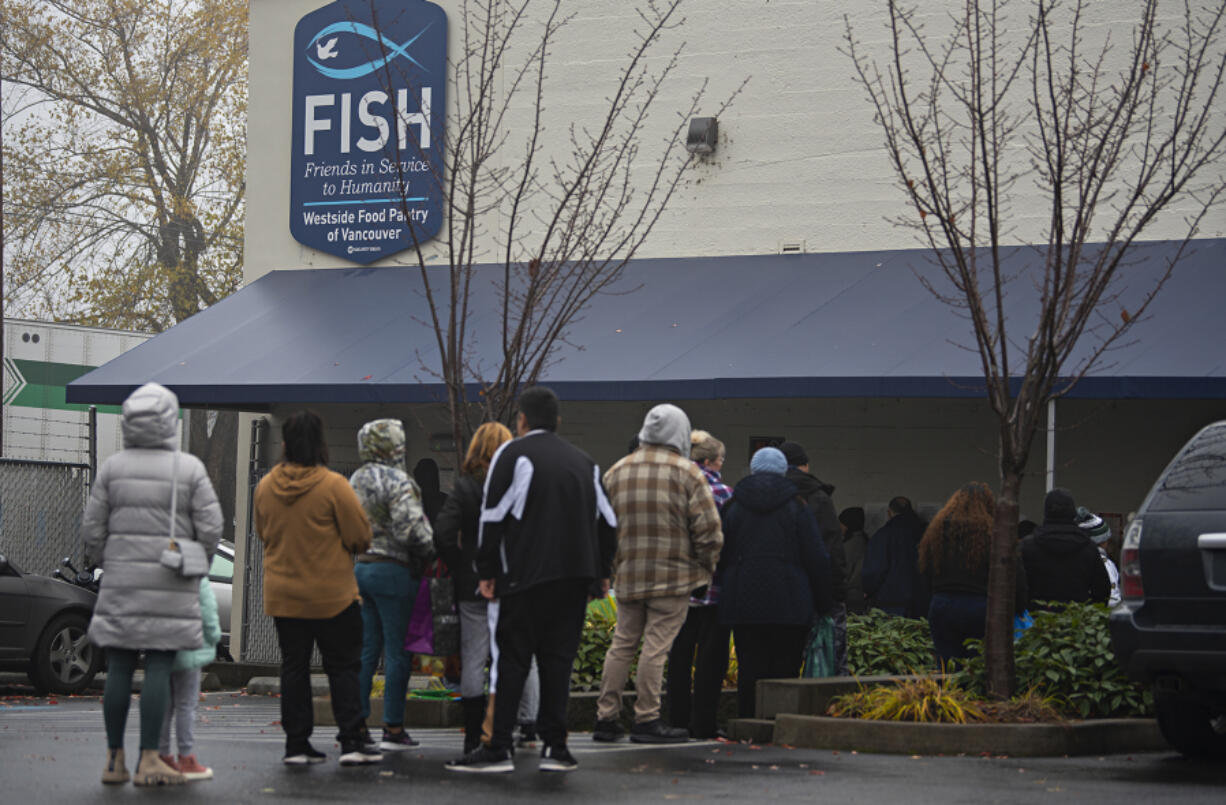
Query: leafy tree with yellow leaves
pixel 124 156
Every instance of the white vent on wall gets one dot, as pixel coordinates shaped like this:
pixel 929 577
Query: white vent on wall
pixel 792 247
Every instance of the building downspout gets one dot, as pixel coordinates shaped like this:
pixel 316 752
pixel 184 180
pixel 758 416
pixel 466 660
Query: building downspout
pixel 1051 445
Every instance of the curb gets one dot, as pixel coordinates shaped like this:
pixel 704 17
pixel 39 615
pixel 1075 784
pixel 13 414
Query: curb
pixel 580 710
pixel 1106 736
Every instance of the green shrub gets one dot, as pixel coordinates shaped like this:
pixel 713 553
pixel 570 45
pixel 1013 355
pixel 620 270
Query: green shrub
pixel 1066 657
pixel 882 644
pixel 594 644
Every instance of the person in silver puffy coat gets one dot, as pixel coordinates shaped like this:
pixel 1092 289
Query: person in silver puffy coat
pixel 143 606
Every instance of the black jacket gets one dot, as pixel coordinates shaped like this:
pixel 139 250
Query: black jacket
pixel 855 545
pixel 774 567
pixel 818 496
pixel 545 516
pixel 1062 564
pixel 455 536
pixel 891 566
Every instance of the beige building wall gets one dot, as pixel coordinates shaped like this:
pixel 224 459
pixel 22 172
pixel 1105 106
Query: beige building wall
pixel 1108 452
pixel 799 159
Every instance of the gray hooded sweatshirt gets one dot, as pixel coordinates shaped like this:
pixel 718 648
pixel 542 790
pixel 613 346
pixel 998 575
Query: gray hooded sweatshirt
pixel 667 425
pixel 143 605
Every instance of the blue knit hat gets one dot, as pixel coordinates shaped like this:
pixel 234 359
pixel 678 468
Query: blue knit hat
pixel 769 459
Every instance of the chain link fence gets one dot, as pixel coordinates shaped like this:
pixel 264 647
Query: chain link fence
pixel 41 505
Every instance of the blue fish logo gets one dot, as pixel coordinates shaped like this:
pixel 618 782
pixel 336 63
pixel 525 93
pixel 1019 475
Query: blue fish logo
pixel 328 50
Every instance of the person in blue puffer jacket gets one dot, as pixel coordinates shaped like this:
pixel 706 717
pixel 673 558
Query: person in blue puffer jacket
pixel 775 575
pixel 185 691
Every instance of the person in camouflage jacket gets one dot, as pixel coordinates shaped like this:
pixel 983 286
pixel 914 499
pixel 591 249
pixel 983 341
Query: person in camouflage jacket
pixel 389 573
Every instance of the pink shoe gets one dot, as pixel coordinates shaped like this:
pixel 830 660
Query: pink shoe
pixel 192 770
pixel 169 760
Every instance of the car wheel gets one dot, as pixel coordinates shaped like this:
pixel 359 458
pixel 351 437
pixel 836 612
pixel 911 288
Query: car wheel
pixel 1191 726
pixel 65 661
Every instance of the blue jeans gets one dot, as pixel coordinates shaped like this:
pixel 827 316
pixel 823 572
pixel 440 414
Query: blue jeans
pixel 953 618
pixel 388 592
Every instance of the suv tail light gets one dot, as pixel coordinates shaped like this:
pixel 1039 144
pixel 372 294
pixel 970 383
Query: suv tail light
pixel 1130 563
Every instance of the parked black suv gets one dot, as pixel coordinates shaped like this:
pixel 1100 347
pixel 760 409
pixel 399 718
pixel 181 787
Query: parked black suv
pixel 1170 629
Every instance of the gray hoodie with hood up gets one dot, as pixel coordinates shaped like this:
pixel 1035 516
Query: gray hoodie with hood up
pixel 143 605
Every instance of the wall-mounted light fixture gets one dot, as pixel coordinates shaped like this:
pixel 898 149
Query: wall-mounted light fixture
pixel 703 134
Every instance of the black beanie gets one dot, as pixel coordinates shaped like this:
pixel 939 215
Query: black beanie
pixel 1059 508
pixel 794 453
pixel 853 518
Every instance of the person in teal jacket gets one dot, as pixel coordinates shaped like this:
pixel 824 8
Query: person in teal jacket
pixel 185 691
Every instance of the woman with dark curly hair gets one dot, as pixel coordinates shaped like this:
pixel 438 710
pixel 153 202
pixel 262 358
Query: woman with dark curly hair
pixel 954 556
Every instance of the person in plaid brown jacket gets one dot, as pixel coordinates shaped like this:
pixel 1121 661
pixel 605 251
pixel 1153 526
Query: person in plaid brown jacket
pixel 668 543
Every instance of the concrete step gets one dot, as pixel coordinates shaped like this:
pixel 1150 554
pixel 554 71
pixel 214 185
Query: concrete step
pixel 580 711
pixel 810 696
pixel 754 730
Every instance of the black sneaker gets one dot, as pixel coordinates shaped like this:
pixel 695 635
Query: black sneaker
pixel 308 756
pixel 397 741
pixel 484 760
pixel 360 754
pixel 557 758
pixel 657 732
pixel 608 730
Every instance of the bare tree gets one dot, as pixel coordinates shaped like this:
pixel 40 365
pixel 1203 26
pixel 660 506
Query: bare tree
pixel 998 115
pixel 566 214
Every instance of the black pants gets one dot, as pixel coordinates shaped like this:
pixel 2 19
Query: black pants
pixel 340 643
pixel 703 644
pixel 545 621
pixel 765 651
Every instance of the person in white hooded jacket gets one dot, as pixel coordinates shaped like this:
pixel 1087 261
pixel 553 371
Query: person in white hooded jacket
pixel 143 606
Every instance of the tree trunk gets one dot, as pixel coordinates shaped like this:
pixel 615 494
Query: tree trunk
pixel 219 453
pixel 1002 588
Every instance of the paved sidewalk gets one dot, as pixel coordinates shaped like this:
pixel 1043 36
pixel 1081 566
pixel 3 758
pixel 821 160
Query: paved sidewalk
pixel 51 753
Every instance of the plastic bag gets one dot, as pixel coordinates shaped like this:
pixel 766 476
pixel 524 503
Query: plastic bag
pixel 819 649
pixel 419 638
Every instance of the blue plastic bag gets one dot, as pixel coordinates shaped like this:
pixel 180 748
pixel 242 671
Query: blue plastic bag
pixel 819 649
pixel 1020 624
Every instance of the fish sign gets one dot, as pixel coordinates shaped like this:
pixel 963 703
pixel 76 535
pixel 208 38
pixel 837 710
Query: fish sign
pixel 369 110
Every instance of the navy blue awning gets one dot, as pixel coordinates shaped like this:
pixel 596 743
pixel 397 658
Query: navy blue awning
pixel 853 324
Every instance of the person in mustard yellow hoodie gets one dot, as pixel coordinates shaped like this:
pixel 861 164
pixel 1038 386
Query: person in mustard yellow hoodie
pixel 312 524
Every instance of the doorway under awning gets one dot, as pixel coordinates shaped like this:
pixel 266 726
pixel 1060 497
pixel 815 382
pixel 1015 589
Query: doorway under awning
pixel 853 324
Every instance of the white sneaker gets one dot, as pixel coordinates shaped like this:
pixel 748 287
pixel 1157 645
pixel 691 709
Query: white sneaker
pixel 360 754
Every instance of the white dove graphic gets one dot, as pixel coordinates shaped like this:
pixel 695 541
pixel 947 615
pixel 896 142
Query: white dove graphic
pixel 326 50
